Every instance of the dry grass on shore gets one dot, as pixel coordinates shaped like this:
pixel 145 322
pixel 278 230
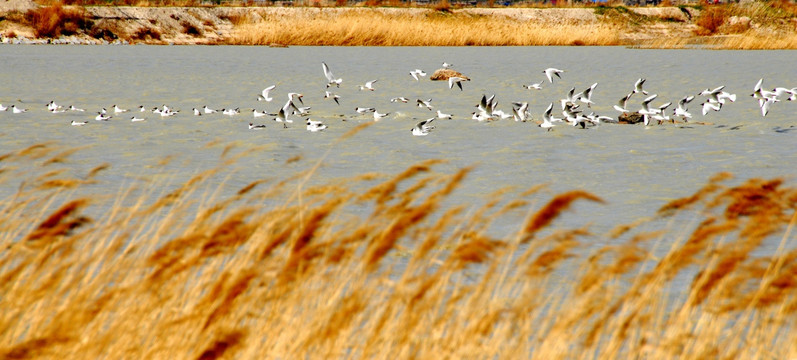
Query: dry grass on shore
pixel 749 40
pixel 434 28
pixel 375 267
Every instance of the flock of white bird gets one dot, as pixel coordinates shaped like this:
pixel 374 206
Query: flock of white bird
pixel 486 110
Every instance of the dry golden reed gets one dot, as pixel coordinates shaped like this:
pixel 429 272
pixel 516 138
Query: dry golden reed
pixel 374 27
pixel 382 268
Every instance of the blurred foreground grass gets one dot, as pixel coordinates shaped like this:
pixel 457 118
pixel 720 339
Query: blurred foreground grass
pixel 193 274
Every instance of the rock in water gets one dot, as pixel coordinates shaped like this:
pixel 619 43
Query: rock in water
pixel 444 74
pixel 630 118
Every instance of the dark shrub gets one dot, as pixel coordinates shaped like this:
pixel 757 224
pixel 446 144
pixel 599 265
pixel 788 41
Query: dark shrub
pixel 54 21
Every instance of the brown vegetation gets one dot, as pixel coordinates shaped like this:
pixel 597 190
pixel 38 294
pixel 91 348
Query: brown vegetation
pixel 392 23
pixel 711 19
pixel 375 28
pixel 54 21
pixel 146 34
pixel 368 268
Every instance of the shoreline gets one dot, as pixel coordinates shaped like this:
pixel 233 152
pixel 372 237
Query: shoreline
pixel 644 27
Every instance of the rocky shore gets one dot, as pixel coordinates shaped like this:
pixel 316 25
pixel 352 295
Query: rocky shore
pixel 636 26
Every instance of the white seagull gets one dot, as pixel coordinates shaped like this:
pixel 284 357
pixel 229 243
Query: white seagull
pixel 713 95
pixel 117 110
pixel 208 110
pixel 230 112
pixel 53 106
pixel 315 126
pixel 586 95
pixel 400 98
pixel 102 117
pixel 258 114
pixel 646 110
pixel 425 103
pixel 295 96
pixel 456 80
pixel 521 113
pixel 79 123
pixel 535 86
pixel 264 95
pixel 3 108
pixel 711 105
pixel 333 96
pixel 196 112
pixel 378 116
pixel 417 74
pixel 681 110
pixel 362 110
pixel 423 128
pixel 766 105
pixel 282 118
pixel 621 105
pixel 441 115
pixel 546 118
pixel 256 127
pixel 330 78
pixel 137 119
pixel 369 85
pixel 16 110
pixel 550 72
pixel 638 87
pixel 73 108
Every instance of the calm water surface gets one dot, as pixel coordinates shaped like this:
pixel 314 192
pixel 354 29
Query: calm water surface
pixel 635 169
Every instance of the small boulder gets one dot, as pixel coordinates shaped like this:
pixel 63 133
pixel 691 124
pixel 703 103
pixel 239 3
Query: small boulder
pixel 630 118
pixel 444 74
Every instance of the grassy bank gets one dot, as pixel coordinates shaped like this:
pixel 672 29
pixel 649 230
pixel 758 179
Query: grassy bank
pixel 376 267
pixel 756 25
pixel 434 28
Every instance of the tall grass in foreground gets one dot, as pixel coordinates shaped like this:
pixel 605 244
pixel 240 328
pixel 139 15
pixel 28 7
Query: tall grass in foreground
pixel 369 27
pixel 192 274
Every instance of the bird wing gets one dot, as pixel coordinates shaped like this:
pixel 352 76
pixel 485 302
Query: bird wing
pixel 758 85
pixel 327 73
pixel 267 90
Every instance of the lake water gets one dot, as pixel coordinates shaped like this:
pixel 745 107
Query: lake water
pixel 634 169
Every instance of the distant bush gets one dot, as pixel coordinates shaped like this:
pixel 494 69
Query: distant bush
pixel 54 21
pixel 443 6
pixel 710 19
pixel 190 29
pixel 146 33
pixel 108 31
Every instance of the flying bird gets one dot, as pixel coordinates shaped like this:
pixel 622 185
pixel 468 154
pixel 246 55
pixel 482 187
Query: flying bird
pixel 638 87
pixel 621 105
pixel 331 80
pixel 333 96
pixel 427 104
pixel 550 72
pixel 417 74
pixel 264 95
pixel 456 80
pixel 368 85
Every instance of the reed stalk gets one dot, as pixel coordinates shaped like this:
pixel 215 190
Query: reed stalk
pixel 195 272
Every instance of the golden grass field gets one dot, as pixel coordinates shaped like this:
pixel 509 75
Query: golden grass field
pixel 376 267
pixel 375 28
pixel 770 24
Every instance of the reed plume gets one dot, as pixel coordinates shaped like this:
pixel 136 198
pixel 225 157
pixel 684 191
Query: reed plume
pixel 334 271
